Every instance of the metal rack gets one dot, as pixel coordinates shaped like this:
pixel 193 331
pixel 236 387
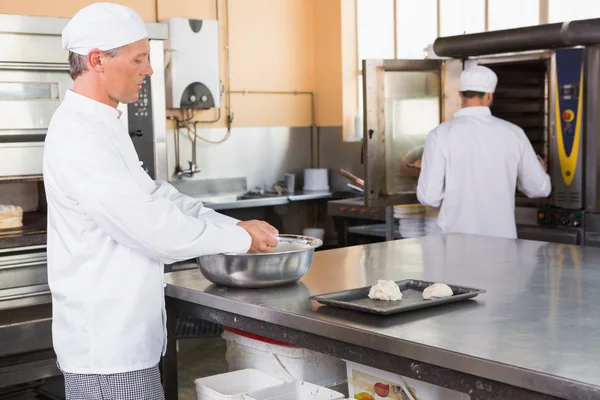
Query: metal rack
pixel 385 230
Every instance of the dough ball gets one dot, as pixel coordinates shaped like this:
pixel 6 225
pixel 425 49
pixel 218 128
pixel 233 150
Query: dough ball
pixel 437 291
pixel 385 290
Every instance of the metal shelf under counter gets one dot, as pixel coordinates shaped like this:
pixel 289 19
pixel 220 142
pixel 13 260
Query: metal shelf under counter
pixel 378 230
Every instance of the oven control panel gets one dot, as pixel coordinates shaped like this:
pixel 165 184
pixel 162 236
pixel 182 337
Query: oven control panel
pixel 560 217
pixel 141 128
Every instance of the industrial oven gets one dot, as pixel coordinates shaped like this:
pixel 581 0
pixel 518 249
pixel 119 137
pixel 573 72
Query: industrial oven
pixel 34 77
pixel 548 84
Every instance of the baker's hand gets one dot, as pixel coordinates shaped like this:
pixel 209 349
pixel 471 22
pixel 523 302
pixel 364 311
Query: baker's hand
pixel 264 236
pixel 543 163
pixel 416 165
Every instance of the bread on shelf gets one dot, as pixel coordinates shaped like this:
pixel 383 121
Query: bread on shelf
pixel 11 217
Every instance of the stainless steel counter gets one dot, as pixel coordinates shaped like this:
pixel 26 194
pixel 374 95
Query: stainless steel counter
pixel 537 327
pixel 305 196
pixel 248 203
pixel 267 201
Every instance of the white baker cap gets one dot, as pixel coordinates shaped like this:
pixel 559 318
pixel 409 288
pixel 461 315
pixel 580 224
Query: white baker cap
pixel 104 26
pixel 478 79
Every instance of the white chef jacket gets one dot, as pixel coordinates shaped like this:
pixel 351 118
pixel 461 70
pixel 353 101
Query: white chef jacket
pixel 471 166
pixel 111 229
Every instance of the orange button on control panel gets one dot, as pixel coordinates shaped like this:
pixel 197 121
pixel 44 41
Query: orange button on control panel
pixel 568 115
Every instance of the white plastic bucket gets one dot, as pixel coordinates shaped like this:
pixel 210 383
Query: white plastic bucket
pixel 233 385
pixel 295 391
pixel 288 363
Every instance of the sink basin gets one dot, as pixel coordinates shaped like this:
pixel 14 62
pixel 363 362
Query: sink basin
pixel 235 197
pixel 219 199
pixel 259 196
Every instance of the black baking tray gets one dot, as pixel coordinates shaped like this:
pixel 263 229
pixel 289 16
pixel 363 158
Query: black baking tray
pixel 412 298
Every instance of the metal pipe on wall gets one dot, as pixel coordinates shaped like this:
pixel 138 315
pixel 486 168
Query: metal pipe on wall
pixel 314 139
pixel 550 36
pixel 228 69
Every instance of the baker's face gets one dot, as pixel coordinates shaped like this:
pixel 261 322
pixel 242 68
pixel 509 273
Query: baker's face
pixel 124 74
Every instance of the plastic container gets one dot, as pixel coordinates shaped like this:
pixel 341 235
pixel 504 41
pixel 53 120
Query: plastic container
pixel 317 233
pixel 408 210
pixel 233 385
pixel 295 391
pixel 290 183
pixel 286 362
pixel 380 384
pixel 316 180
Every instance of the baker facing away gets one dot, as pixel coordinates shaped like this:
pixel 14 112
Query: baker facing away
pixel 473 164
pixel 111 228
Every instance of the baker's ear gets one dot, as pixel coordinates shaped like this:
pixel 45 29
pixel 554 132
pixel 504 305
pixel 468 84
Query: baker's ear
pixel 95 60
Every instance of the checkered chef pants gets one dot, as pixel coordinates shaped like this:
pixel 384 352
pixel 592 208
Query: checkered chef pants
pixel 135 385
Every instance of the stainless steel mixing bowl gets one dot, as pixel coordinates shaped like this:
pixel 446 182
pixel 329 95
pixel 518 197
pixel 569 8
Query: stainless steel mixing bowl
pixel 263 269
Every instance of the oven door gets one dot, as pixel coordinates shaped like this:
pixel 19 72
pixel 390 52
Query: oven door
pixel 30 93
pixel 403 101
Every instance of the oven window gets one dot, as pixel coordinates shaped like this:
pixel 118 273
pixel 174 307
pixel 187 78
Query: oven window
pixel 412 110
pixel 29 91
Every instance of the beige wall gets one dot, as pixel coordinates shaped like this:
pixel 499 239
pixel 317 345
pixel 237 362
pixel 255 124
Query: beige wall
pixel 275 45
pixel 328 62
pixel 349 63
pixel 66 8
pixel 271 48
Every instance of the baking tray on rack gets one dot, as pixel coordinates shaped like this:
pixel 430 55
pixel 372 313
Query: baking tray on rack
pixel 412 298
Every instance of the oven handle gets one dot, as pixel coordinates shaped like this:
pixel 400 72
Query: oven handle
pixel 23 265
pixel 34 66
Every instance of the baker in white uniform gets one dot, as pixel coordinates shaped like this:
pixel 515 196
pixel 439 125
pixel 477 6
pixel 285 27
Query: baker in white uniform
pixel 473 163
pixel 111 228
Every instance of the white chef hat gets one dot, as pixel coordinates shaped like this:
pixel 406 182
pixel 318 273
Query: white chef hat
pixel 104 26
pixel 478 79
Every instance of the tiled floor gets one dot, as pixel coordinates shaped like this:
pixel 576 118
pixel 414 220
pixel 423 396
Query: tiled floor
pixel 198 358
